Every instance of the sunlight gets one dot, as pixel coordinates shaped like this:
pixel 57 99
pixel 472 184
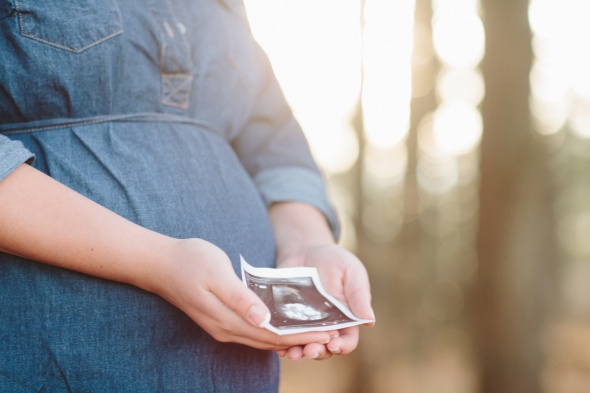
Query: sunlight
pixel 459 38
pixel 469 6
pixel 464 84
pixel 336 147
pixel 457 128
pixel 385 167
pixel 560 82
pixel 437 176
pixel 549 96
pixel 387 86
pixel 453 129
pixel 315 50
pixel 579 120
pixel 437 171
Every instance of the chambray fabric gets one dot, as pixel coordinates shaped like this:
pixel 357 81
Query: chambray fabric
pixel 168 114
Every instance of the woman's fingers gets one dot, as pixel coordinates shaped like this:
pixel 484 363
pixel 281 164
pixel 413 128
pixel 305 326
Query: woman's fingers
pixel 316 352
pixel 346 342
pixel 295 353
pixel 203 284
pixel 358 298
pixel 232 292
pixel 226 325
pixel 312 351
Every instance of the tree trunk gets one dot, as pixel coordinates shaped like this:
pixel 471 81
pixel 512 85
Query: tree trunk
pixel 515 240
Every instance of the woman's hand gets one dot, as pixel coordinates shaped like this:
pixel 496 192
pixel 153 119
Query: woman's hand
pixel 304 239
pixel 345 278
pixel 65 229
pixel 199 279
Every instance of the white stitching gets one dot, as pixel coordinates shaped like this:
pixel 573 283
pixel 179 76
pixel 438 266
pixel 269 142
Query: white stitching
pixel 64 125
pixel 69 49
pixel 175 90
pixel 138 117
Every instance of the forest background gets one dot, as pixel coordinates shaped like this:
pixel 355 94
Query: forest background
pixel 455 135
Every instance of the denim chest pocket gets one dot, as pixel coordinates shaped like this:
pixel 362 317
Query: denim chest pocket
pixel 73 25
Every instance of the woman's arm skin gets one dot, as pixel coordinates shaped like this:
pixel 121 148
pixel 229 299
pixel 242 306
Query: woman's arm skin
pixel 304 239
pixel 43 220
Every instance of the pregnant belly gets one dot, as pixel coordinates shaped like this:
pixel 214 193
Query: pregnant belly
pixel 175 179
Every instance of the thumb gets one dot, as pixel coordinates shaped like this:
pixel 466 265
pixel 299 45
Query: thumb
pixel 243 301
pixel 358 296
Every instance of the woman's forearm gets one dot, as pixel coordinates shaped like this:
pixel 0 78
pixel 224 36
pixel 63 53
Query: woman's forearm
pixel 43 220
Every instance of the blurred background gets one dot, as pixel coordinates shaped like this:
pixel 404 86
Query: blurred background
pixel 455 135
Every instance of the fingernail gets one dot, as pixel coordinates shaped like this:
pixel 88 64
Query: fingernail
pixel 335 350
pixel 258 316
pixel 315 356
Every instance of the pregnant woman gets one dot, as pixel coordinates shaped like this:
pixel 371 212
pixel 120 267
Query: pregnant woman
pixel 145 145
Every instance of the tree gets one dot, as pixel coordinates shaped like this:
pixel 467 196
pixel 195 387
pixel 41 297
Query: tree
pixel 515 239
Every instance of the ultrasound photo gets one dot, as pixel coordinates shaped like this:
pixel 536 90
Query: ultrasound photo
pixel 297 300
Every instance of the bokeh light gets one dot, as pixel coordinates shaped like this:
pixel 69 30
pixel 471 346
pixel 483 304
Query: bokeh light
pixel 384 168
pixel 458 37
pixel 407 195
pixel 549 97
pixel 387 78
pixel 321 78
pixel 405 179
pixel 460 84
pixel 457 127
pixel 560 82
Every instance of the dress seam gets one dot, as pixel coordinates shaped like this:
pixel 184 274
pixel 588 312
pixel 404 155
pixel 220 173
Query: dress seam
pixel 21 128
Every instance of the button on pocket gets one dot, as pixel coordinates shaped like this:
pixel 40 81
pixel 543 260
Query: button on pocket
pixel 73 25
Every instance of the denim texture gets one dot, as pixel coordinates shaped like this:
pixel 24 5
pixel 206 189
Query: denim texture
pixel 12 154
pixel 64 331
pixel 167 113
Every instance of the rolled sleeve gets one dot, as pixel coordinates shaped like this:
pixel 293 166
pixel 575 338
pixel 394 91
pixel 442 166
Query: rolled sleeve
pixel 12 155
pixel 272 147
pixel 285 184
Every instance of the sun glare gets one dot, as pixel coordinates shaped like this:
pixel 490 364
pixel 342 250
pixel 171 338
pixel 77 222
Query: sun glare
pixel 463 84
pixel 458 37
pixel 457 128
pixel 315 49
pixel 387 53
pixel 560 82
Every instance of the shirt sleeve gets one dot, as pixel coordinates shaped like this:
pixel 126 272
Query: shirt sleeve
pixel 273 149
pixel 12 155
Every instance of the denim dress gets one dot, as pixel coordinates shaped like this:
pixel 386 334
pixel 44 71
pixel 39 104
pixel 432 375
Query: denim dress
pixel 167 113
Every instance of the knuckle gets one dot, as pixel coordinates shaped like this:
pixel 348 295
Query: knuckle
pixel 236 299
pixel 221 334
pixel 221 337
pixel 276 342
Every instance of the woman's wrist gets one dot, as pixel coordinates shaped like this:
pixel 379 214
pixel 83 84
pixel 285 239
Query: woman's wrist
pixel 149 267
pixel 298 227
pixel 176 263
